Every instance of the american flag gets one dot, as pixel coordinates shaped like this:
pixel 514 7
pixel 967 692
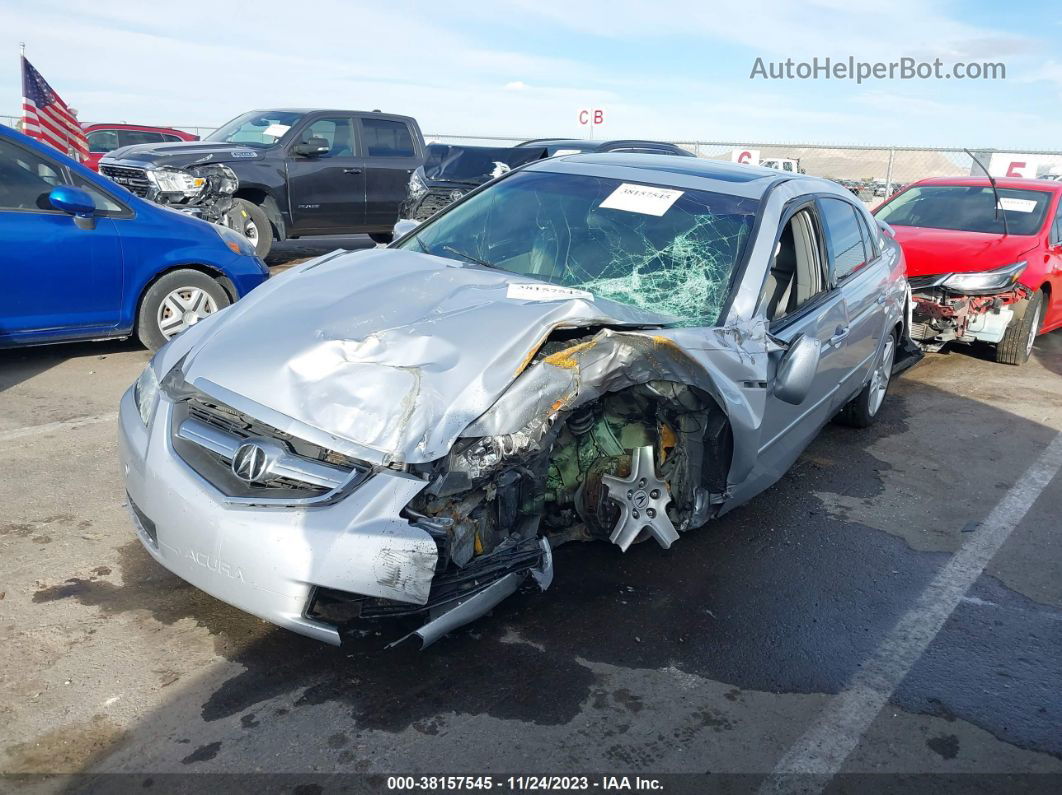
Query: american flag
pixel 47 118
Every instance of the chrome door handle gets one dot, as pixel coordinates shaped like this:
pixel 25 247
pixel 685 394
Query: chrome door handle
pixel 881 298
pixel 838 336
pixel 351 170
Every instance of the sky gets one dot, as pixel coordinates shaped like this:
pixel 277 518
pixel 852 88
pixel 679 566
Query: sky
pixel 671 69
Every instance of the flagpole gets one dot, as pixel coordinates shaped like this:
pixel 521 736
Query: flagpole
pixel 22 48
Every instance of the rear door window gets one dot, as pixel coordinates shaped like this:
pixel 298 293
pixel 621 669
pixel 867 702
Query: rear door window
pixel 845 238
pixel 386 138
pixel 134 137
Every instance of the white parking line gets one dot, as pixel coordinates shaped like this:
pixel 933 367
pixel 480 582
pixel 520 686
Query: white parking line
pixel 48 427
pixel 821 751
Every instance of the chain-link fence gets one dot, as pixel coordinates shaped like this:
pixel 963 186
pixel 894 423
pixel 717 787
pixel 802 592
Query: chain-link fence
pixel 870 172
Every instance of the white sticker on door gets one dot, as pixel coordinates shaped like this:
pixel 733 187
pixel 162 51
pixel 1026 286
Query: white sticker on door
pixel 641 199
pixel 544 292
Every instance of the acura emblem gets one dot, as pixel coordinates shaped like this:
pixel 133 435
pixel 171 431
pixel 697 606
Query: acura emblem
pixel 250 463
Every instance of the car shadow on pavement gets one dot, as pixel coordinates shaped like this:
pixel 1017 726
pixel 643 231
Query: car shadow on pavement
pixel 21 364
pixel 288 253
pixel 788 594
pixel 1048 351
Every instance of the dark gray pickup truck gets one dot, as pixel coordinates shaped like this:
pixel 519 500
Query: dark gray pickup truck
pixel 279 174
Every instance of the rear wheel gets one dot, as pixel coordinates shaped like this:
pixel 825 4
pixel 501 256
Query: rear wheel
pixel 1018 339
pixel 383 238
pixel 863 409
pixel 251 221
pixel 176 302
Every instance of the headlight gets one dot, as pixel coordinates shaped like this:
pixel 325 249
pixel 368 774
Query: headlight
pixel 234 240
pixel 984 281
pixel 146 393
pixel 172 180
pixel 417 188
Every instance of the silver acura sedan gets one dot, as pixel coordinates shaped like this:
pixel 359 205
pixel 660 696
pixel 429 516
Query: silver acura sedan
pixel 595 347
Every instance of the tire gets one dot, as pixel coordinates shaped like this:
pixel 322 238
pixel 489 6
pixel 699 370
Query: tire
pixel 250 220
pixel 1021 332
pixel 863 409
pixel 383 238
pixel 190 292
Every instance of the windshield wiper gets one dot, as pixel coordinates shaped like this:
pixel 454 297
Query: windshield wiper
pixel 466 256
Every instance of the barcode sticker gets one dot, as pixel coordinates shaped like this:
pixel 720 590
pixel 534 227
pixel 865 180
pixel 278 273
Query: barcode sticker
pixel 545 292
pixel 1017 205
pixel 642 199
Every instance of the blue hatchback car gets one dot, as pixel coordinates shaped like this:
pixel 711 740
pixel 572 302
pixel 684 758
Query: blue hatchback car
pixel 81 258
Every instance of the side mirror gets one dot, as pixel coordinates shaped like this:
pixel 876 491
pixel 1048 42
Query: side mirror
pixel 313 147
pixel 77 203
pixel 796 372
pixel 404 227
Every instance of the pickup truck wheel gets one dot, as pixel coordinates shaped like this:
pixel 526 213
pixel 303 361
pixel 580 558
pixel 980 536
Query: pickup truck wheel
pixel 381 237
pixel 863 409
pixel 250 220
pixel 176 301
pixel 1018 339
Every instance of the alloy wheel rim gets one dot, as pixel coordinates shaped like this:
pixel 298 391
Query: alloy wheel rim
pixel 182 308
pixel 879 382
pixel 250 231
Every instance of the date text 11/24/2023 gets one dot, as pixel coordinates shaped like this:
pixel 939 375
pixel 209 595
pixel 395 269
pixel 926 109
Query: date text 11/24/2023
pixel 530 783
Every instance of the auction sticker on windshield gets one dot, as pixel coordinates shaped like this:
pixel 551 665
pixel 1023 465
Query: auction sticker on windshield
pixel 641 199
pixel 545 292
pixel 276 130
pixel 1017 205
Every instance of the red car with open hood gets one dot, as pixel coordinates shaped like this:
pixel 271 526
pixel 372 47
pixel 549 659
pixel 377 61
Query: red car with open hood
pixel 983 263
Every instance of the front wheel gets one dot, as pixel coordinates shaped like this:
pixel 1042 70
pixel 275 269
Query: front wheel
pixel 176 302
pixel 1018 339
pixel 250 220
pixel 862 410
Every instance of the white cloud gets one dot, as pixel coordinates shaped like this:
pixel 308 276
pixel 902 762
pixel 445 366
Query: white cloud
pixel 515 85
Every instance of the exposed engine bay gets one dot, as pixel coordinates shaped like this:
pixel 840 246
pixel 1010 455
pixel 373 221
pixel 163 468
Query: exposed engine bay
pixel 941 316
pixel 644 462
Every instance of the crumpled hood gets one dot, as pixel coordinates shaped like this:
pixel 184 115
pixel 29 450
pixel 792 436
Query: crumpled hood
pixel 393 350
pixel 929 252
pixel 179 155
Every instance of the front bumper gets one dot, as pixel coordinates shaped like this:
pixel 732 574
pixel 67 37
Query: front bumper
pixel 433 200
pixel 941 316
pixel 267 560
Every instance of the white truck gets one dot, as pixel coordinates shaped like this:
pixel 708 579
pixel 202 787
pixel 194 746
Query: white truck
pixel 782 164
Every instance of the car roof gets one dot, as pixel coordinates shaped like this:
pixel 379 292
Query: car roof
pixel 1011 183
pixel 102 125
pixel 331 110
pixel 718 176
pixel 586 143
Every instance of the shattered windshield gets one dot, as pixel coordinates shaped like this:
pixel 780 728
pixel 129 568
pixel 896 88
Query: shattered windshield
pixel 665 250
pixel 256 129
pixel 968 208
